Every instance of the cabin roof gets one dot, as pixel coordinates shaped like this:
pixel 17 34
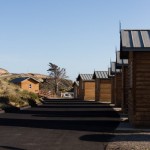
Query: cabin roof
pixel 19 80
pixel 76 83
pixel 113 68
pixel 109 73
pixel 100 75
pixel 135 40
pixel 120 62
pixel 85 77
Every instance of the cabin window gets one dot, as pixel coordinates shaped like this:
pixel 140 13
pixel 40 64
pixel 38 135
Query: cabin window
pixel 30 86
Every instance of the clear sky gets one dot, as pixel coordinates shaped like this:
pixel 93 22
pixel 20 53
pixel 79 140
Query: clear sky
pixel 79 35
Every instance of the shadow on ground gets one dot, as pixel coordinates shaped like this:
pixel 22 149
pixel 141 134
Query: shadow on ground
pixel 43 117
pixel 10 148
pixel 116 137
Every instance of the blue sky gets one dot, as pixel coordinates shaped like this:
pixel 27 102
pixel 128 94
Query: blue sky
pixel 79 35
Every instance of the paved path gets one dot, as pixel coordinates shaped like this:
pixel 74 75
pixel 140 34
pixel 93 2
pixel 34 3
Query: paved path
pixel 59 125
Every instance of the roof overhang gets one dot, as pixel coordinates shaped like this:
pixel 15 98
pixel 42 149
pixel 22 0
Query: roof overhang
pixel 124 51
pixel 120 62
pixel 134 40
pixel 75 83
pixel 113 69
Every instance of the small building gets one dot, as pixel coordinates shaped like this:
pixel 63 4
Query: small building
pixel 135 46
pixel 102 86
pixel 27 83
pixel 76 89
pixel 123 65
pixel 117 84
pixel 86 87
pixel 111 76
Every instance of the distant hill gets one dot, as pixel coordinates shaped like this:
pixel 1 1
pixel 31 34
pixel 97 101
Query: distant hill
pixel 3 71
pixel 10 76
pixel 46 83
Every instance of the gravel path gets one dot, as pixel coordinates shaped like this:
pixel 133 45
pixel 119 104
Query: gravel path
pixel 129 141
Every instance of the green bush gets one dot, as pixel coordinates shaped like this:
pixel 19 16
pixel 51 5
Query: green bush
pixel 33 95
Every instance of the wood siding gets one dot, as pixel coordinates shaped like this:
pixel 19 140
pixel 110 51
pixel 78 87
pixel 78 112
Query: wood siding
pixel 113 90
pixel 139 93
pixel 97 89
pixel 81 89
pixel 125 88
pixel 89 90
pixel 30 85
pixel 76 91
pixel 86 90
pixel 118 89
pixel 103 90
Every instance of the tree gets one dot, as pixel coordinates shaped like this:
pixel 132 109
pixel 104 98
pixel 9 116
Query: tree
pixel 57 74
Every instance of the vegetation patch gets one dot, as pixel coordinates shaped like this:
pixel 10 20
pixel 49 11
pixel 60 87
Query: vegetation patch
pixel 13 96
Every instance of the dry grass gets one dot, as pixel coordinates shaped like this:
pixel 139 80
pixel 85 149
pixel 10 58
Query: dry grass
pixel 11 94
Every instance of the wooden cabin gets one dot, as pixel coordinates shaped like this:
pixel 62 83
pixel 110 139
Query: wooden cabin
pixel 117 83
pixel 118 88
pixel 123 65
pixel 111 76
pixel 135 46
pixel 27 83
pixel 76 89
pixel 102 86
pixel 86 87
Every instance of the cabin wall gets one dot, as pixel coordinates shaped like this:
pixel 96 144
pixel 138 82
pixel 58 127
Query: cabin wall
pixel 97 89
pixel 118 89
pixel 113 90
pixel 105 90
pixel 89 90
pixel 125 88
pixel 81 89
pixel 139 95
pixel 76 91
pixel 30 86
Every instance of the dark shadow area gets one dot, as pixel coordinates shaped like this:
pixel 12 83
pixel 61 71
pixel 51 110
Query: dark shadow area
pixel 67 113
pixel 11 148
pixel 80 125
pixel 32 103
pixel 70 101
pixel 11 109
pixel 43 117
pixel 73 113
pixel 76 103
pixel 6 106
pixel 73 106
pixel 63 99
pixel 97 137
pixel 116 138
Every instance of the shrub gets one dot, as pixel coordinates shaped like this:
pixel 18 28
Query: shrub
pixel 33 95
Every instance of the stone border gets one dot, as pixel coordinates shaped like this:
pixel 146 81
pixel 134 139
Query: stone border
pixel 25 107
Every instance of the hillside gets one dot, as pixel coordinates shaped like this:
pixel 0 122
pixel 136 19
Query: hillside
pixel 12 95
pixel 47 85
pixel 3 71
